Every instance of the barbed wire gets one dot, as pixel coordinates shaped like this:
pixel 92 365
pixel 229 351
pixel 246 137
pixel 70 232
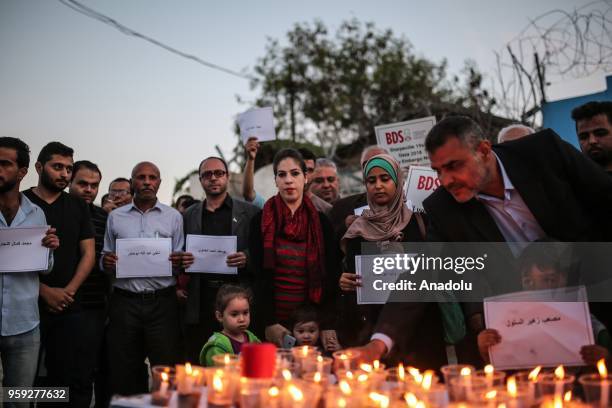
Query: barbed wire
pixel 555 46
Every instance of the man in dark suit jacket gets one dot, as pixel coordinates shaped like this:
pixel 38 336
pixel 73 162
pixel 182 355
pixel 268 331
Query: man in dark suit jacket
pixel 538 186
pixel 219 214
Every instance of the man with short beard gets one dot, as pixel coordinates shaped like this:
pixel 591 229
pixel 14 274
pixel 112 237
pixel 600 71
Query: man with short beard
pixel 19 317
pixel 86 177
pixel 219 214
pixel 325 183
pixel 594 129
pixel 62 314
pixel 143 312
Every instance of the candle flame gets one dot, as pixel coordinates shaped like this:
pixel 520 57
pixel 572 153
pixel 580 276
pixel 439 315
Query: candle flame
pixel 533 375
pixel 420 404
pixel 376 365
pixel 345 388
pixel 286 375
pixel 349 375
pixel 502 405
pixel 558 402
pixel 411 399
pixel 427 380
pixel 164 377
pixel 362 378
pixel 491 394
pixel 305 351
pixel 567 397
pixel 217 383
pixel 317 377
pixel 343 357
pixel 465 371
pixel 366 367
pixel 226 359
pixel 341 403
pixel 489 369
pixel 380 400
pixel 296 393
pixel 512 389
pixel 188 368
pixel 274 392
pixel 601 367
pixel 559 372
pixel 413 371
pixel 401 373
pixel 319 359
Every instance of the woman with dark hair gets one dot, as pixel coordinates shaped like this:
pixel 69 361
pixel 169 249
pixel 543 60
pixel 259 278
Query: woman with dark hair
pixel 293 251
pixel 388 219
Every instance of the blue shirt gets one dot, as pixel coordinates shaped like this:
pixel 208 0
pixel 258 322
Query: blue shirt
pixel 161 221
pixel 511 215
pixel 19 290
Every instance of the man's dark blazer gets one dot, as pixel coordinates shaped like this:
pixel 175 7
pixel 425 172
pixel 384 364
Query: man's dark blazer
pixel 569 195
pixel 242 212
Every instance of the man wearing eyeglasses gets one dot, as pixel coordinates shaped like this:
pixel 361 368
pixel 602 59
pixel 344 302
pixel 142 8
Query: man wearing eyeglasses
pixel 324 183
pixel 219 214
pixel 119 194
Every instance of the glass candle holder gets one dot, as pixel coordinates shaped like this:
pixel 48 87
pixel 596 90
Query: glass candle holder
pixel 300 394
pixel 466 388
pixel 550 385
pixel 221 386
pixel 597 389
pixel 494 380
pixel 347 359
pixel 436 396
pixel 317 364
pixel 229 361
pixel 251 391
pixel 322 379
pixel 454 370
pixel 163 378
pixel 336 397
pixel 189 378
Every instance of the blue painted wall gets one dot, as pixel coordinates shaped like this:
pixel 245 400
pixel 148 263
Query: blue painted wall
pixel 558 115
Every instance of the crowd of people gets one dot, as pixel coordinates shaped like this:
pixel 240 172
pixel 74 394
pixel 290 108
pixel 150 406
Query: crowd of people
pixel 78 325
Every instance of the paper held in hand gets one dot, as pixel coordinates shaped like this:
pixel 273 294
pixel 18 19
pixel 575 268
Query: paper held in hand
pixel 257 122
pixel 421 181
pixel 210 253
pixel 406 140
pixel 143 257
pixel 544 327
pixel 21 249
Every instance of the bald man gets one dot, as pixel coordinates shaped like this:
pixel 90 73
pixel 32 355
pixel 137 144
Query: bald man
pixel 143 311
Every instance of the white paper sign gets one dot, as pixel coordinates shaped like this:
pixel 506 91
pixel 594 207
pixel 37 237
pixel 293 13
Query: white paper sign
pixel 143 257
pixel 210 253
pixel 21 249
pixel 257 122
pixel 406 140
pixel 539 328
pixel 420 183
pixel 360 210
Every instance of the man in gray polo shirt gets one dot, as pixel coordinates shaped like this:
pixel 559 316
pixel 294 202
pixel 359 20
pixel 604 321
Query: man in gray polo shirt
pixel 143 312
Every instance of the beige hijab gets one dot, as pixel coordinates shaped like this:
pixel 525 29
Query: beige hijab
pixel 382 223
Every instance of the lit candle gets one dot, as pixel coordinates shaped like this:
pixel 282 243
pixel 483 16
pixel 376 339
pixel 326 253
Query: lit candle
pixel 163 388
pixel 466 375
pixel 286 375
pixel 489 375
pixel 559 376
pixel 273 399
pixel 319 364
pixel 605 386
pixel 345 388
pixel 411 399
pixel 376 365
pixel 317 377
pixel 401 373
pixel 533 379
pixel 345 361
pixel 379 400
pixel 188 386
pixel 512 391
pixel 427 380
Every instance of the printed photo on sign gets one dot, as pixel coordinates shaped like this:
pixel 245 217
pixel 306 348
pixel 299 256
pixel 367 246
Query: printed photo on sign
pixel 421 181
pixel 143 257
pixel 257 122
pixel 210 253
pixel 544 327
pixel 21 249
pixel 406 140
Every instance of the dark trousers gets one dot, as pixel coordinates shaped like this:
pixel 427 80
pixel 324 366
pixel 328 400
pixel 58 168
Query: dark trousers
pixel 71 342
pixel 196 335
pixel 141 327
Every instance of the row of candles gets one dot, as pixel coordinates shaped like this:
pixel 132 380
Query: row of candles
pixel 301 377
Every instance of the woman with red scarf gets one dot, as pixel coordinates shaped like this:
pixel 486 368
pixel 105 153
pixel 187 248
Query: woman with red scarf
pixel 294 254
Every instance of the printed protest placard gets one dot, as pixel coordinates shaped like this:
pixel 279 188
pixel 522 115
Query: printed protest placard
pixel 406 140
pixel 210 253
pixel 21 249
pixel 143 257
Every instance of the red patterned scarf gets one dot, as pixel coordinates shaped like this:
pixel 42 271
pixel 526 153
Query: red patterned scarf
pixel 303 226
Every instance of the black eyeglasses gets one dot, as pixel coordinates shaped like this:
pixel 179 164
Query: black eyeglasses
pixel 209 173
